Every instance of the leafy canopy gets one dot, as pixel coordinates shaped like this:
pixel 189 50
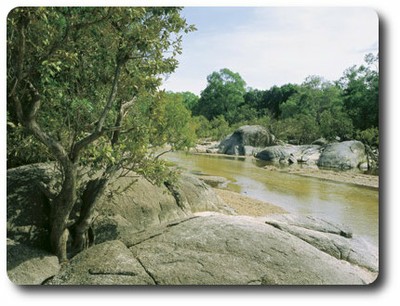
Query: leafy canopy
pixel 87 62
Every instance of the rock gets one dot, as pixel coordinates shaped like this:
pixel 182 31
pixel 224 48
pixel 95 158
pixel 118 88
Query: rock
pixel 108 263
pixel 343 155
pixel 290 154
pixel 213 181
pixel 27 207
pixel 238 250
pixel 29 266
pixel 140 206
pixel 320 142
pixel 247 140
pixel 144 206
pixel 292 159
pixel 214 249
pixel 198 196
pixel 333 239
pixel 206 147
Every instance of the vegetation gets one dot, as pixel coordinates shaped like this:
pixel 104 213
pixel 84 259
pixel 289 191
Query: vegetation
pixel 82 85
pixel 344 109
pixel 82 88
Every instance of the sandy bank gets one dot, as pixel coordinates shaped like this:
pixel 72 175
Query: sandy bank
pixel 247 206
pixel 347 177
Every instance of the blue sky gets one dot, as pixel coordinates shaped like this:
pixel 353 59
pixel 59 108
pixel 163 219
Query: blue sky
pixel 273 46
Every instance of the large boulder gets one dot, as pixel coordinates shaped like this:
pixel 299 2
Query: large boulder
pixel 131 204
pixel 212 249
pixel 27 207
pixel 246 140
pixel 343 155
pixel 144 205
pixel 289 154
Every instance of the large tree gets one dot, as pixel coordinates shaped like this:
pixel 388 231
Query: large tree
pixel 77 80
pixel 223 95
pixel 361 93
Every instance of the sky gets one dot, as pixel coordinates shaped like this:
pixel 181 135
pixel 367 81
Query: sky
pixel 271 46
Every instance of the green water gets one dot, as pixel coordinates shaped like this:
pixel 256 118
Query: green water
pixel 354 206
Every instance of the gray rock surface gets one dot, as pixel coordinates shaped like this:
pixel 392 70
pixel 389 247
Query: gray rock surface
pixel 29 266
pixel 333 239
pixel 108 263
pixel 153 235
pixel 27 207
pixel 139 207
pixel 343 155
pixel 290 154
pixel 246 140
pixel 211 249
pixel 339 155
pixel 213 181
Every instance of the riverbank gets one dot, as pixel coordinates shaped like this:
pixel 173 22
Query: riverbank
pixel 244 205
pixel 348 177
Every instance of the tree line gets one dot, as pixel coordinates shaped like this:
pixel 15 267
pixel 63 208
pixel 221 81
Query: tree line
pixel 347 108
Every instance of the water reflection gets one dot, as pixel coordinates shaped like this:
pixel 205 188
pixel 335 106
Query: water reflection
pixel 349 204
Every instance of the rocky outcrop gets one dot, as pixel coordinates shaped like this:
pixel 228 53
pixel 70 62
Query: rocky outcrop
pixel 339 155
pixel 246 140
pixel 109 263
pixel 343 155
pixel 153 235
pixel 333 239
pixel 290 154
pixel 141 205
pixel 29 266
pixel 212 249
pixel 27 207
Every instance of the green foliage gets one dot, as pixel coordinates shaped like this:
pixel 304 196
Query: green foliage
pixel 222 96
pixel 202 126
pixel 298 129
pixel 175 128
pixel 360 87
pixel 296 113
pixel 219 128
pixel 268 102
pixel 190 100
pixel 23 148
pixel 369 136
pixel 78 59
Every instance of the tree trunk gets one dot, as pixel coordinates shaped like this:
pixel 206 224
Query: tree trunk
pixel 82 232
pixel 61 210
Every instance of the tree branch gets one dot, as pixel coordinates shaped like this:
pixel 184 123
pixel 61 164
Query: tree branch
pixel 29 121
pixel 123 108
pixel 100 123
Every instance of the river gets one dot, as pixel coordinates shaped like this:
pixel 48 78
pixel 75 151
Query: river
pixel 354 206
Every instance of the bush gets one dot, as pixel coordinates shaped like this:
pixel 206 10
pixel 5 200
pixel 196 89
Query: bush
pixel 369 136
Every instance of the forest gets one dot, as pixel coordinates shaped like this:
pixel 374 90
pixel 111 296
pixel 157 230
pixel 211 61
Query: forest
pixel 343 109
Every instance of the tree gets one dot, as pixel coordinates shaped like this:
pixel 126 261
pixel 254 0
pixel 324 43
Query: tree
pixel 222 96
pixel 75 81
pixel 175 128
pixel 275 97
pixel 320 104
pixel 361 93
pixel 190 100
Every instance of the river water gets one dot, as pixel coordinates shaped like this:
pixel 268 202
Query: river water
pixel 354 206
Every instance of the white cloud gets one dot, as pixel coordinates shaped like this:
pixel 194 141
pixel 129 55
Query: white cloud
pixel 280 45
